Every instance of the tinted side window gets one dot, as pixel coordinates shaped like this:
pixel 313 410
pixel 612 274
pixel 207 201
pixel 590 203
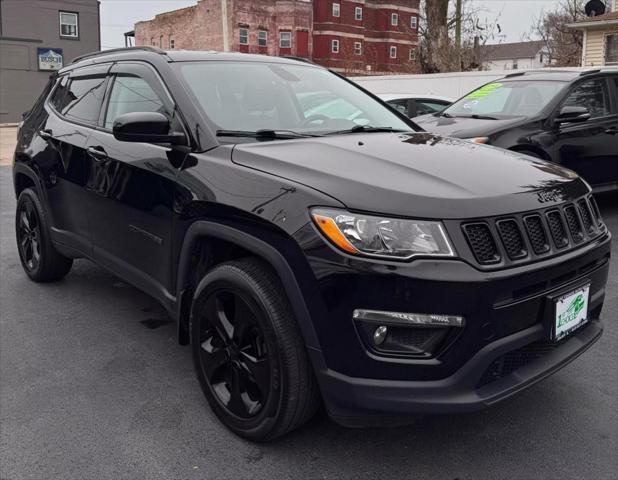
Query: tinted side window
pixel 60 93
pixel 401 105
pixel 83 99
pixel 131 93
pixel 593 95
pixel 423 107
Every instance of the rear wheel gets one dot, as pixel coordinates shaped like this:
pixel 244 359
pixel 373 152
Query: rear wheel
pixel 248 352
pixel 39 258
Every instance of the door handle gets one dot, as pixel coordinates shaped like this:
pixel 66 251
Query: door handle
pixel 97 153
pixel 612 131
pixel 46 134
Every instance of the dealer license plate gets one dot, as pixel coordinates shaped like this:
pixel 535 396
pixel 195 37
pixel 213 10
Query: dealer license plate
pixel 571 312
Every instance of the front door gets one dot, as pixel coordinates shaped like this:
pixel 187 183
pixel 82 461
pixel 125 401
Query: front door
pixel 132 186
pixel 591 147
pixel 73 112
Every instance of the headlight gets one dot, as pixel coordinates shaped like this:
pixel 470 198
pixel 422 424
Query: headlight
pixel 371 236
pixel 479 140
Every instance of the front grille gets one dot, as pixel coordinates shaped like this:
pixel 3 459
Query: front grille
pixel 530 235
pixel 575 226
pixel 586 214
pixel 536 234
pixel 558 232
pixel 482 243
pixel 512 238
pixel 595 210
pixel 512 361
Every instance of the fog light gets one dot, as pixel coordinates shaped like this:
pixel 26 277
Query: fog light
pixel 380 335
pixel 409 319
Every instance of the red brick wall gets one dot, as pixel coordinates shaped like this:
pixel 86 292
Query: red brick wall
pixel 374 31
pixel 201 28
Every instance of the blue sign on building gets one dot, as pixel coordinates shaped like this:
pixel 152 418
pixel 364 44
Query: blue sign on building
pixel 50 58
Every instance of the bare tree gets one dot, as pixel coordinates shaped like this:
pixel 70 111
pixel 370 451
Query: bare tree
pixel 564 44
pixel 450 34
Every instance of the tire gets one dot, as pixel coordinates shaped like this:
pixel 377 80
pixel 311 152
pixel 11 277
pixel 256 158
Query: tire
pixel 39 258
pixel 245 339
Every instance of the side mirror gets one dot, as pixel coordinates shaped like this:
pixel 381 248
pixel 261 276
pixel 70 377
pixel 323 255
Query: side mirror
pixel 146 127
pixel 572 115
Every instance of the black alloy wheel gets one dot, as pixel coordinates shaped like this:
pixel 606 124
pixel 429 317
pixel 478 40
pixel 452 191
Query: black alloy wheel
pixel 29 235
pixel 39 258
pixel 234 354
pixel 248 351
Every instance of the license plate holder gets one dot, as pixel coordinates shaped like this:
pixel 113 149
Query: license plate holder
pixel 570 312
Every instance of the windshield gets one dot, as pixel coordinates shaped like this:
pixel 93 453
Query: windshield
pixel 250 97
pixel 507 99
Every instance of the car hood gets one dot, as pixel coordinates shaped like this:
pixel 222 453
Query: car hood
pixel 463 127
pixel 418 174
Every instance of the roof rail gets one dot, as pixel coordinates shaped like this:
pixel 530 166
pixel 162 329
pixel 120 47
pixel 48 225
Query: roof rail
pixel 144 48
pixel 516 74
pixel 300 59
pixel 590 72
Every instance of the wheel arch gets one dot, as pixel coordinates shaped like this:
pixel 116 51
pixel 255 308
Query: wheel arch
pixel 24 177
pixel 272 247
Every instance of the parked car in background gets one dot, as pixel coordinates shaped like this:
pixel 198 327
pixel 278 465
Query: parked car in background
pixel 311 244
pixel 414 105
pixel 566 117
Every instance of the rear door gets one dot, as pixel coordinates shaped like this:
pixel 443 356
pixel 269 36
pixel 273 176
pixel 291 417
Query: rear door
pixel 591 147
pixel 73 112
pixel 132 185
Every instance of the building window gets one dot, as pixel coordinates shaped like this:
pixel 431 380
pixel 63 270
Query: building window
pixel 394 19
pixel 334 46
pixel 393 52
pixel 285 39
pixel 243 35
pixel 515 65
pixel 262 38
pixel 412 54
pixel 171 42
pixel 413 22
pixel 358 13
pixel 611 49
pixel 358 48
pixel 336 10
pixel 69 24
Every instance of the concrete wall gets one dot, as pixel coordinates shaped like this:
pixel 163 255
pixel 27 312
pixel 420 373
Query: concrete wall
pixel 594 48
pixel 31 24
pixel 522 64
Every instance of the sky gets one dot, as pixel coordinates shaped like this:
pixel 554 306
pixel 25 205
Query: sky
pixel 118 16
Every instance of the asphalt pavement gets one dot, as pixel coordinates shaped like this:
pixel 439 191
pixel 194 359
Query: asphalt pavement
pixel 94 386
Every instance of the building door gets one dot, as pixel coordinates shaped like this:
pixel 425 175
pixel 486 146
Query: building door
pixel 302 43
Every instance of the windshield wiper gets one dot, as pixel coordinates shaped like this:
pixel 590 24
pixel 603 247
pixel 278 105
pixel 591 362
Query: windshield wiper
pixel 365 129
pixel 265 133
pixel 482 117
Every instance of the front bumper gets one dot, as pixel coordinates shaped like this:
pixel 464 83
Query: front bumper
pixel 506 312
pixel 359 401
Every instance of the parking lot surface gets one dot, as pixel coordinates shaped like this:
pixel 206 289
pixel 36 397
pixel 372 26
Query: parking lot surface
pixel 94 386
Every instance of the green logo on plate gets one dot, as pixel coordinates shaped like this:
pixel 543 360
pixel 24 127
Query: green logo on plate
pixel 575 308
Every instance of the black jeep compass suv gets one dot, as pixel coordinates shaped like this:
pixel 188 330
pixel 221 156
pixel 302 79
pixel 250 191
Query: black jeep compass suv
pixel 310 243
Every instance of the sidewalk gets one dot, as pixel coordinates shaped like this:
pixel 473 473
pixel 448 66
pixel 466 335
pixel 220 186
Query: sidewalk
pixel 7 144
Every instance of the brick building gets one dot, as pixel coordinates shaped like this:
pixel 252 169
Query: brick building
pixel 270 27
pixel 350 36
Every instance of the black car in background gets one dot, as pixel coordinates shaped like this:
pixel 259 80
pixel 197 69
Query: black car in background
pixel 566 117
pixel 310 252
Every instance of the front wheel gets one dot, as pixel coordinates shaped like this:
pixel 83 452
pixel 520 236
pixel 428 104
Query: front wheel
pixel 248 352
pixel 39 258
